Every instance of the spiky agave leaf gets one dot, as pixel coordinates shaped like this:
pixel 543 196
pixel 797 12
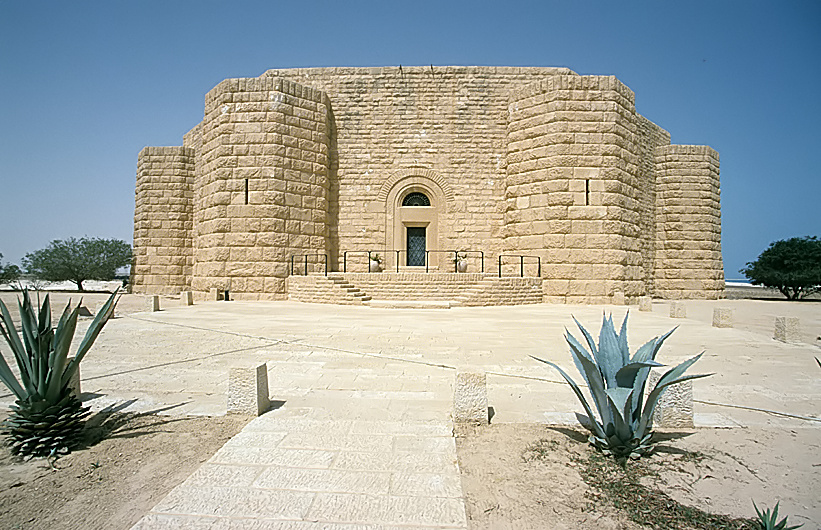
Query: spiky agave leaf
pixel 596 427
pixel 591 373
pixel 9 332
pixel 767 520
pixel 93 331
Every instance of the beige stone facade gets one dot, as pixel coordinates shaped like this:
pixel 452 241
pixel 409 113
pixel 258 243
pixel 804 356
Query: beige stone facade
pixel 540 162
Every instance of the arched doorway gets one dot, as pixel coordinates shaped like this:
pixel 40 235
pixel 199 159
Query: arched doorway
pixel 415 236
pixel 414 205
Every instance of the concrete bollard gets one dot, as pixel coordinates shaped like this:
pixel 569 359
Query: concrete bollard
pixel 787 329
pixel 187 298
pixel 248 390
pixel 675 407
pixel 214 295
pixel 152 303
pixel 618 298
pixel 678 310
pixel 645 303
pixel 723 317
pixel 74 382
pixel 470 397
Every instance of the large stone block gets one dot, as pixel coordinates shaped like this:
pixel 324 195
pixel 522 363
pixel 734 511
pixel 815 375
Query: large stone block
pixel 678 310
pixel 470 397
pixel 787 329
pixel 187 298
pixel 74 382
pixel 152 303
pixel 675 406
pixel 248 390
pixel 645 303
pixel 723 317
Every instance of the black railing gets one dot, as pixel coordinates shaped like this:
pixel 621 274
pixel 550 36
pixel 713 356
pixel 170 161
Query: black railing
pixel 306 256
pixel 457 254
pixel 466 253
pixel 370 254
pixel 521 263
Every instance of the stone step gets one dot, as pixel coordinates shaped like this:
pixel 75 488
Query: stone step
pixel 412 304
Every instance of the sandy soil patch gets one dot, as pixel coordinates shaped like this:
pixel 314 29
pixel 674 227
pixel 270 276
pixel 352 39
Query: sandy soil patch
pixel 130 462
pixel 531 476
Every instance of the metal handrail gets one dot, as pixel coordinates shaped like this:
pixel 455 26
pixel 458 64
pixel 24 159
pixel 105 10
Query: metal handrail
pixel 466 252
pixel 369 253
pixel 427 257
pixel 521 263
pixel 306 256
pixel 398 253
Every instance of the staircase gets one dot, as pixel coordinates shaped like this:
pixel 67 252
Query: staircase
pixel 433 290
pixel 330 289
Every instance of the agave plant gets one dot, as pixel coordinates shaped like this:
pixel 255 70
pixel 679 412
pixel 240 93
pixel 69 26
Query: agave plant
pixel 767 519
pixel 47 418
pixel 616 383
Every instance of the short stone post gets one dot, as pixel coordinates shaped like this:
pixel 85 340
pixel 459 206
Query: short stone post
pixel 74 382
pixel 187 298
pixel 618 298
pixel 645 303
pixel 723 317
pixel 213 294
pixel 248 390
pixel 675 407
pixel 678 310
pixel 152 303
pixel 787 329
pixel 470 397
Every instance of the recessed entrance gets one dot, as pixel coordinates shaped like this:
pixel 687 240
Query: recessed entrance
pixel 416 246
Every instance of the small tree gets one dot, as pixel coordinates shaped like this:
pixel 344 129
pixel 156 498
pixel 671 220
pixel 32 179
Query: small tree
pixel 8 272
pixel 78 260
pixel 793 266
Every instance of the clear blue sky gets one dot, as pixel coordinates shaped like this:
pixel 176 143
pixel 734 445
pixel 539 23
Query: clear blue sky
pixel 85 85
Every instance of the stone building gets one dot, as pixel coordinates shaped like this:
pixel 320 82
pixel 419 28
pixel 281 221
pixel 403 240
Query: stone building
pixel 413 162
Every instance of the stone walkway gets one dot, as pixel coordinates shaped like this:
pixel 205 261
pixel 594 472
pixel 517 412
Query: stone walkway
pixel 359 442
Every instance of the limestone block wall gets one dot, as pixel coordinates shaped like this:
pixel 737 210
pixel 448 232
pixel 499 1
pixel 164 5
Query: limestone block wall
pixel 688 260
pixel 572 190
pixel 447 124
pixel 651 136
pixel 262 185
pixel 163 215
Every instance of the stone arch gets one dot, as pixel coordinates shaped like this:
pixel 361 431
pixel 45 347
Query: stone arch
pixel 399 218
pixel 423 173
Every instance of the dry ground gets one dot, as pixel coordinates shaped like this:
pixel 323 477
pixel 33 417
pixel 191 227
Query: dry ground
pixel 514 475
pixel 129 464
pixel 531 476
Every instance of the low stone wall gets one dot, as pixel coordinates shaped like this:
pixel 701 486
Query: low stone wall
pixel 506 291
pixel 319 290
pixel 415 285
pixel 471 289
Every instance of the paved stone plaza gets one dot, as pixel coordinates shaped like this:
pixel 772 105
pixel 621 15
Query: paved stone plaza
pixel 361 430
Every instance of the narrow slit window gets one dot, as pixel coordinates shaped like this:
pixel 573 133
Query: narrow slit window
pixel 246 191
pixel 587 192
